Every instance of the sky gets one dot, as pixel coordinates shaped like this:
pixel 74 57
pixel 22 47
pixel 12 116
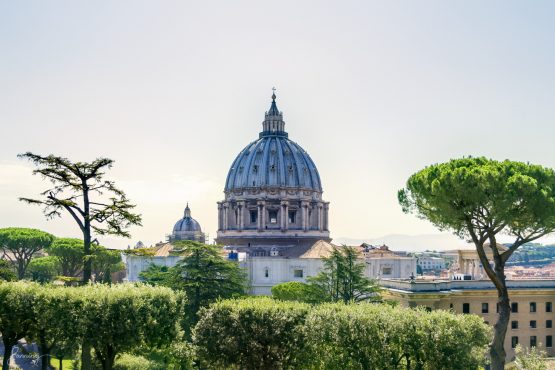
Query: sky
pixel 173 90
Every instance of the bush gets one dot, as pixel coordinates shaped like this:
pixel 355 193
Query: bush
pixel 43 269
pixel 370 336
pixel 112 319
pixel 253 333
pixel 293 291
pixel 132 362
pixel 263 333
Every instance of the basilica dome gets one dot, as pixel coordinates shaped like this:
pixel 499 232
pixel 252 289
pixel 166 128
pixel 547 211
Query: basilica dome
pixel 273 161
pixel 273 193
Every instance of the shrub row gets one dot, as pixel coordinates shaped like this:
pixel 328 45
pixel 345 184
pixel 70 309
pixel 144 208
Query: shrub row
pixel 110 319
pixel 263 333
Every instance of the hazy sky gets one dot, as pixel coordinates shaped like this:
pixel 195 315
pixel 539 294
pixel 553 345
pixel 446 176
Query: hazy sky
pixel 173 90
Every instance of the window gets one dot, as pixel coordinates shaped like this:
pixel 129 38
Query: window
pixel 533 324
pixel 466 307
pixel 549 341
pixel 533 341
pixel 292 215
pixel 514 342
pixel 549 324
pixel 386 271
pixel 298 273
pixel 485 307
pixel 514 307
pixel 514 324
pixel 266 272
pixel 451 306
pixel 532 306
pixel 273 217
pixel 548 307
pixel 254 216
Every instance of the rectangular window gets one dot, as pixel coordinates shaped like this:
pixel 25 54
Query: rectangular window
pixel 292 215
pixel 514 324
pixel 514 307
pixel 548 307
pixel 266 273
pixel 485 308
pixel 549 324
pixel 273 217
pixel 533 341
pixel 466 307
pixel 298 273
pixel 533 324
pixel 549 341
pixel 254 216
pixel 386 271
pixel 532 306
pixel 514 342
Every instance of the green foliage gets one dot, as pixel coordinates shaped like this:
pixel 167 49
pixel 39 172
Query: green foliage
pixel 156 275
pixel 530 358
pixel 70 253
pixel 112 319
pixel 479 198
pixel 342 278
pixel 516 197
pixel 80 189
pixel 369 336
pixel 135 362
pixel 122 317
pixel 7 271
pixel 19 245
pixel 203 274
pixel 57 321
pixel 16 319
pixel 104 262
pixel 295 291
pixel 44 269
pixel 258 333
pixel 254 333
pixel 141 252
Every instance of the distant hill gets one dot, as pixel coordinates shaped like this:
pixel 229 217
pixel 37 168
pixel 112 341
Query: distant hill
pixel 411 243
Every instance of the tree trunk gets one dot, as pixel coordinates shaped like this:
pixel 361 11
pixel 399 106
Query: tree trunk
pixel 86 358
pixel 61 363
pixel 44 358
pixel 497 348
pixel 20 269
pixel 87 265
pixel 108 361
pixel 8 348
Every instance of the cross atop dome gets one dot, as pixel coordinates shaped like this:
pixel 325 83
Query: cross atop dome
pixel 273 108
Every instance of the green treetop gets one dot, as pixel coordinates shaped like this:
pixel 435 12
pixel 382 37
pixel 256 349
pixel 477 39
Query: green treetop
pixel 479 199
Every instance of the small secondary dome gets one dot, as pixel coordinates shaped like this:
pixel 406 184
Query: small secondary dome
pixel 187 223
pixel 273 160
pixel 187 228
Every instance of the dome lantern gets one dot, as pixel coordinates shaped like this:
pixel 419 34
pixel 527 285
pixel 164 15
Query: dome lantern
pixel 273 124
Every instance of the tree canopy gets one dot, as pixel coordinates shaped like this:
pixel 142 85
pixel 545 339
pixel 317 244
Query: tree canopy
pixel 70 253
pixel 478 199
pixel 79 188
pixel 204 274
pixel 20 245
pixel 343 279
